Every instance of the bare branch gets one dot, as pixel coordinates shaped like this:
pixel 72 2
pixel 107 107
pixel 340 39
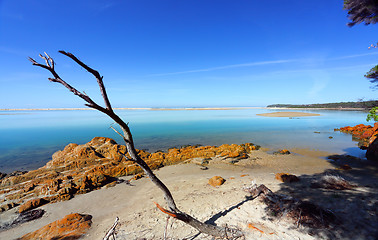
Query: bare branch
pixel 127 137
pixel 111 230
pixel 124 139
pixel 96 74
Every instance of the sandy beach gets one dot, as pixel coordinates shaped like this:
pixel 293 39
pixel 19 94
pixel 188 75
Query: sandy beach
pixel 226 204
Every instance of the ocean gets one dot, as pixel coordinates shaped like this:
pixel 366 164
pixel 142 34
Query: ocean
pixel 29 138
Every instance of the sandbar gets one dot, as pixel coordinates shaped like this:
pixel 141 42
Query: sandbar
pixel 288 114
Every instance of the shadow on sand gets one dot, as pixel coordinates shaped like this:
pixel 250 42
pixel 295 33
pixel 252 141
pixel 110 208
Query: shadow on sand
pixel 356 209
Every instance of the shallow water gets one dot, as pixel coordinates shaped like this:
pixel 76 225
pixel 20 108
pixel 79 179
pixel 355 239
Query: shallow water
pixel 29 138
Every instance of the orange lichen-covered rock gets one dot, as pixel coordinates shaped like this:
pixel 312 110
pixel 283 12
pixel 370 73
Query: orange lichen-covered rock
pixel 82 168
pixel 72 226
pixel 361 133
pixel 31 204
pixel 216 181
pixel 282 152
pixel 286 177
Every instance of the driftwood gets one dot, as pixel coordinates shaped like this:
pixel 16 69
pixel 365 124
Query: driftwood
pixel 111 231
pixel 173 211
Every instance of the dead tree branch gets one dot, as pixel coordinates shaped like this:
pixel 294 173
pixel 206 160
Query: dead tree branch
pixel 127 137
pixel 111 231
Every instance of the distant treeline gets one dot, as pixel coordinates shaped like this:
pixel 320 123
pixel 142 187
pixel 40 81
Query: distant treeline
pixel 360 104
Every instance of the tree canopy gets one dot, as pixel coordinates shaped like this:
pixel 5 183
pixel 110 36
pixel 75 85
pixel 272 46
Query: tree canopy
pixel 372 75
pixel 365 11
pixel 361 11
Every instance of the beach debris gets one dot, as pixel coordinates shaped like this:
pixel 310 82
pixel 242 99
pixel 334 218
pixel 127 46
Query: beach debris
pixel 282 152
pixel 204 168
pixel 283 206
pixel 72 226
pixel 332 182
pixel 255 228
pixel 111 231
pixel 286 177
pixel 216 181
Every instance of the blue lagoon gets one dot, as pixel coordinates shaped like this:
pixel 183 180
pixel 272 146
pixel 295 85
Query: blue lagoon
pixel 29 138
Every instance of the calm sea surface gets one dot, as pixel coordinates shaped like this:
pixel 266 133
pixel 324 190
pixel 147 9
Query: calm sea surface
pixel 29 138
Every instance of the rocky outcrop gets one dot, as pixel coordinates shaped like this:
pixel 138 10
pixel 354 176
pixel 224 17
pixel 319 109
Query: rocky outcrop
pixel 31 204
pixel 366 136
pixel 83 168
pixel 72 226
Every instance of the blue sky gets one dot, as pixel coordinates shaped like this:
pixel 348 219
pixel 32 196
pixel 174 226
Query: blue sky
pixel 192 53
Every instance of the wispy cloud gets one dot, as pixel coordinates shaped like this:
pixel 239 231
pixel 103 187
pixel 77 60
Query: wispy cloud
pixel 353 56
pixel 250 64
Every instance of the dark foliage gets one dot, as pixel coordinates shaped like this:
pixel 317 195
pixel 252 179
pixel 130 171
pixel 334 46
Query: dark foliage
pixel 372 75
pixel 361 104
pixel 361 11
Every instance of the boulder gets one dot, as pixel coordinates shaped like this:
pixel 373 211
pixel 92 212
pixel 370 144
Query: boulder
pixel 372 150
pixel 72 226
pixel 286 177
pixel 216 181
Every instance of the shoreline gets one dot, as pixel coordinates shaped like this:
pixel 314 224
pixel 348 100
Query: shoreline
pixel 180 109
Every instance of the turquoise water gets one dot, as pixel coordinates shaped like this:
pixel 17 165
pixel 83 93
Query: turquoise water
pixel 29 138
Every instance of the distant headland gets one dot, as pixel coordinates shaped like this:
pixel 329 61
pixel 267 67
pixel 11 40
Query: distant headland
pixel 359 105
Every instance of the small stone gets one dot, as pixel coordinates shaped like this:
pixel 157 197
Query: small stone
pixel 216 181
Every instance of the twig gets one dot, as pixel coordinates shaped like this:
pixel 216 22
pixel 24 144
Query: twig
pixel 111 231
pixel 299 218
pixel 166 228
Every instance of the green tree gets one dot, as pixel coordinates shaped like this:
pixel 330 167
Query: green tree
pixel 373 114
pixel 372 75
